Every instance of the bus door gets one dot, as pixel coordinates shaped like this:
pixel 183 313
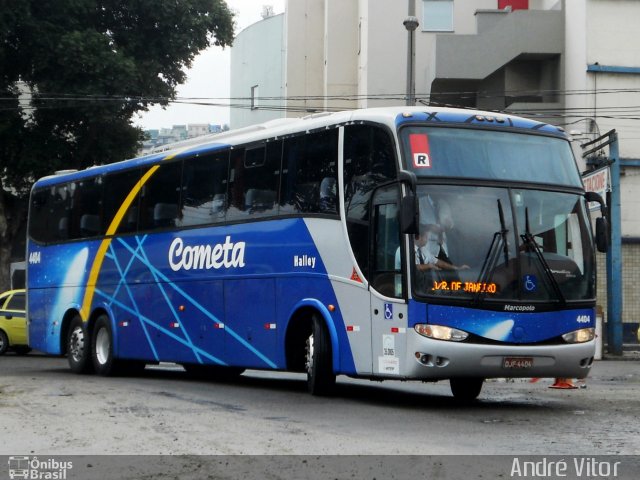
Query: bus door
pixel 388 306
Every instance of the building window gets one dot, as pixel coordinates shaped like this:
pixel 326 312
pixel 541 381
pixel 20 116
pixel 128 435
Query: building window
pixel 437 16
pixel 254 97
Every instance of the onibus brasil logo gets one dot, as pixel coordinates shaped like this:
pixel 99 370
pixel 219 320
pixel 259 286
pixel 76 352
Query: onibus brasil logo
pixel 37 469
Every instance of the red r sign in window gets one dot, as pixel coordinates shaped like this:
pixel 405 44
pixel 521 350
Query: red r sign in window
pixel 420 150
pixel 514 4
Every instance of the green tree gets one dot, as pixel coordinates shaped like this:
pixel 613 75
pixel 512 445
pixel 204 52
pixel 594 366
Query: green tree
pixel 89 65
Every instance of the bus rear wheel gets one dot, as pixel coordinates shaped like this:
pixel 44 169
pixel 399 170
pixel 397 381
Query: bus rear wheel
pixel 466 389
pixel 102 347
pixel 79 347
pixel 318 360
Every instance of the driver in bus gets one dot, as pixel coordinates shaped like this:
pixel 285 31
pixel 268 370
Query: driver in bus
pixel 427 245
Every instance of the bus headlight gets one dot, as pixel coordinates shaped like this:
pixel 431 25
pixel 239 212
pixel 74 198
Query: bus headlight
pixel 580 336
pixel 440 332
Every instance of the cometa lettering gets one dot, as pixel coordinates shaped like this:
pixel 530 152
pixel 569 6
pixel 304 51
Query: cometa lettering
pixel 206 257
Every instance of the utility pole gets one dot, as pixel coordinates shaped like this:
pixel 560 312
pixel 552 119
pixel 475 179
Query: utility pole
pixel 411 23
pixel 614 255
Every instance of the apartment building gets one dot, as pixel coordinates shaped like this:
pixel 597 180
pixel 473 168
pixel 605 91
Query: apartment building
pixel 573 63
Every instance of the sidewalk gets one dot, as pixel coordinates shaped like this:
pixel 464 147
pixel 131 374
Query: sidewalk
pixel 626 355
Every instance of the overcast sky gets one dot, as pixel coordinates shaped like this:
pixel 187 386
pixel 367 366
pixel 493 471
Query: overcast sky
pixel 208 77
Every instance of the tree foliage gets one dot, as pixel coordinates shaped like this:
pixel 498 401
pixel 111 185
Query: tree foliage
pixel 89 65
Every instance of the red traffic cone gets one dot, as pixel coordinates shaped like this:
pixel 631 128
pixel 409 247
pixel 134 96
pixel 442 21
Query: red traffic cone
pixel 563 383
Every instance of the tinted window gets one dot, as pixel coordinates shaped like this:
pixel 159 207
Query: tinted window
pixel 369 161
pixel 204 189
pixel 236 184
pixel 261 176
pixel 309 173
pixel 59 213
pixel 118 186
pixel 39 216
pixel 386 268
pixel 470 153
pixel 67 211
pixel 86 209
pixel 160 198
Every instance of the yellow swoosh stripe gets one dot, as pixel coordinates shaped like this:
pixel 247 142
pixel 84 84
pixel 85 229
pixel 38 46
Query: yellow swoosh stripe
pixel 113 228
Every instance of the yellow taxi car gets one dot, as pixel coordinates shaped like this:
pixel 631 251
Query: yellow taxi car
pixel 13 325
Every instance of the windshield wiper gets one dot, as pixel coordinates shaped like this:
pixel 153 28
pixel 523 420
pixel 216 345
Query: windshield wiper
pixel 498 243
pixel 533 246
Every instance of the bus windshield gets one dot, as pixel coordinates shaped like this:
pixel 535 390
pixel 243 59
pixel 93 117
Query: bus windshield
pixel 469 247
pixel 490 155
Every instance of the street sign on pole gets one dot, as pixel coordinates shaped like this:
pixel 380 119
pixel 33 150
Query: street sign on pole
pixel 597 181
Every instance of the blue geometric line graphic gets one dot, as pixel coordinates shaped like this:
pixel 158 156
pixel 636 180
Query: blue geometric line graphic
pixel 133 302
pixel 168 301
pixel 159 327
pixel 123 276
pixel 193 302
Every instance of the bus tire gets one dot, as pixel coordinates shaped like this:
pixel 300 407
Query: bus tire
pixel 102 347
pixel 466 389
pixel 79 347
pixel 4 343
pixel 318 360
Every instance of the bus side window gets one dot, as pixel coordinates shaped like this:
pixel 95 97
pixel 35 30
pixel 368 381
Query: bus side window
pixel 118 186
pixel 160 198
pixel 236 185
pixel 261 178
pixel 309 161
pixel 40 228
pixel 87 208
pixel 369 161
pixel 60 211
pixel 386 276
pixel 204 189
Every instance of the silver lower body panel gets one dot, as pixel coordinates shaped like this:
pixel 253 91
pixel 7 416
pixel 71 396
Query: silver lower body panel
pixel 441 359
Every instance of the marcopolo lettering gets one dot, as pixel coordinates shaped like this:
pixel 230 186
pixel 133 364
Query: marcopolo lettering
pixel 206 257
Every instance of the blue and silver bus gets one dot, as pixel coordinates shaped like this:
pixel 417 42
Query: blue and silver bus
pixel 394 243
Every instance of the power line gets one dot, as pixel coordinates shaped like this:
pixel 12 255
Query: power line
pixel 47 101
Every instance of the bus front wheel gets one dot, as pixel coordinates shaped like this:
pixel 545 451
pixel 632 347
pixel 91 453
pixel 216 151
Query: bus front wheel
pixel 318 360
pixel 102 347
pixel 78 347
pixel 466 389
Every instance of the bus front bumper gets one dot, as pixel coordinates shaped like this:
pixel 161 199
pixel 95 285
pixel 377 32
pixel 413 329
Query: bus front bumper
pixel 436 359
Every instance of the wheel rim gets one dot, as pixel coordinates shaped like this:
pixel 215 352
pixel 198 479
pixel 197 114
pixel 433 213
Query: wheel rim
pixel 76 344
pixel 103 344
pixel 308 362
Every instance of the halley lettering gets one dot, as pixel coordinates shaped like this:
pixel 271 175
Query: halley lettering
pixel 206 257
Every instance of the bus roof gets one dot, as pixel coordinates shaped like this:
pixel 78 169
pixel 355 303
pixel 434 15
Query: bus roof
pixel 393 117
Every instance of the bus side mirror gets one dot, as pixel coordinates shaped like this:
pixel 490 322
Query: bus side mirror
pixel 602 234
pixel 409 214
pixel 595 197
pixel 602 224
pixel 409 204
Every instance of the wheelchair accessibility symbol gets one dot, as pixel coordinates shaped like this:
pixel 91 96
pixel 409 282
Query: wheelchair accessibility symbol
pixel 530 283
pixel 388 311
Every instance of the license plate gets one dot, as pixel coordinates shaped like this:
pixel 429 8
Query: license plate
pixel 517 362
